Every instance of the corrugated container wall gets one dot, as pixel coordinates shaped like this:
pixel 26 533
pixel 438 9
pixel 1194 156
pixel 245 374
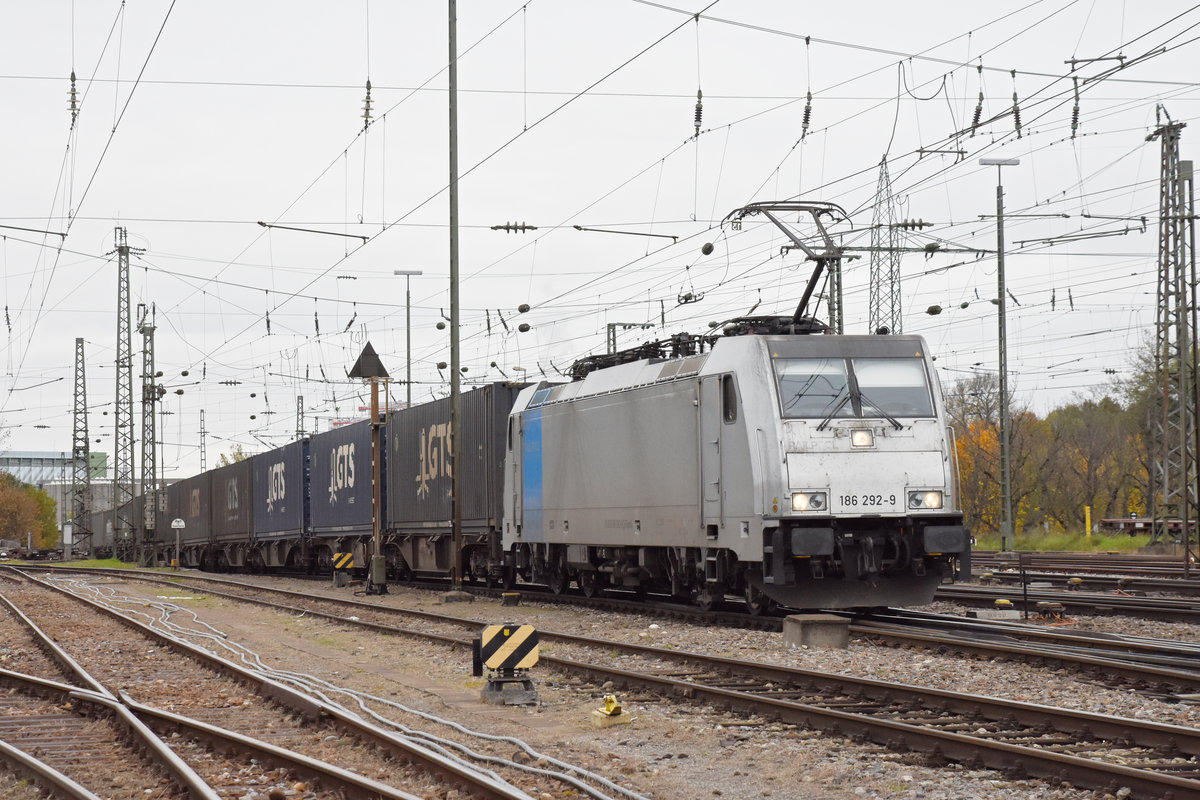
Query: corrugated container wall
pixel 191 501
pixel 233 502
pixel 280 492
pixel 419 478
pixel 341 481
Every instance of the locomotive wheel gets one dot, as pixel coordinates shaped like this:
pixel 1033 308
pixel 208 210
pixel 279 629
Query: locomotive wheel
pixel 589 583
pixel 560 579
pixel 706 600
pixel 757 603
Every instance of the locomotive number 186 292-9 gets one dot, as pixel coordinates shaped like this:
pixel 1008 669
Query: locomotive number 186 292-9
pixel 867 500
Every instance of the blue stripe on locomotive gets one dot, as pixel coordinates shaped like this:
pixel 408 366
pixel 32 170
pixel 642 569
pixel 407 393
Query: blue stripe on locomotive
pixel 531 475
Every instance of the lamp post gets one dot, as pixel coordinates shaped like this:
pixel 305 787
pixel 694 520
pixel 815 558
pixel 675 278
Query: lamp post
pixel 407 273
pixel 1006 509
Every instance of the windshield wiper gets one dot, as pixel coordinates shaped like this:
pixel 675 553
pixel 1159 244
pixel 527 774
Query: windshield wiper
pixel 840 404
pixel 865 401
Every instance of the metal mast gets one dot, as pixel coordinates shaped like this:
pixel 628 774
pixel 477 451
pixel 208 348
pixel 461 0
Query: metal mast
pixel 203 465
pixel 837 314
pixel 81 473
pixel 455 375
pixel 1172 423
pixel 299 417
pixel 151 392
pixel 885 258
pixel 123 513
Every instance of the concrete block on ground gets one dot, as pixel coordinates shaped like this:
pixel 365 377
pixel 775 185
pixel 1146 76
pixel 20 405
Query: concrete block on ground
pixel 994 613
pixel 602 720
pixel 817 631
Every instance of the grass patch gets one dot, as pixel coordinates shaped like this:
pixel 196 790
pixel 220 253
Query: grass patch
pixel 1068 542
pixel 105 563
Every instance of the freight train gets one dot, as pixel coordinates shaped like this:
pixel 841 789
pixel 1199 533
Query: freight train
pixel 771 461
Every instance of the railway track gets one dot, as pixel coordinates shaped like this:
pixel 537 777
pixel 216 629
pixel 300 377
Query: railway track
pixel 1075 602
pixel 1125 584
pixel 1014 737
pixel 261 721
pixel 1168 670
pixel 1127 564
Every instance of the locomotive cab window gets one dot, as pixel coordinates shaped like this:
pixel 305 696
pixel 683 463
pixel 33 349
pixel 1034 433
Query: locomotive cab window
pixel 896 386
pixel 829 388
pixel 729 399
pixel 813 387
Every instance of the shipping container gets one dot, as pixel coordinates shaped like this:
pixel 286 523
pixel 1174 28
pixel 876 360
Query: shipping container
pixel 419 463
pixel 191 501
pixel 281 492
pixel 233 502
pixel 340 483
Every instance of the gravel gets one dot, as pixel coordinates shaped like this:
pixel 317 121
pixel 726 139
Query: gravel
pixel 673 749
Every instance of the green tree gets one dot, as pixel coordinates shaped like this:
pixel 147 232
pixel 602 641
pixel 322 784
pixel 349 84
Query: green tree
pixel 1095 461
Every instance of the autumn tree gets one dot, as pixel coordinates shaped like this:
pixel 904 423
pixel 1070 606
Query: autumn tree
pixel 973 406
pixel 235 455
pixel 25 509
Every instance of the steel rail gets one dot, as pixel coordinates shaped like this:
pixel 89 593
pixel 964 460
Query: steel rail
pixel 44 775
pixel 1093 582
pixel 1005 756
pixel 1143 647
pixel 41 773
pixel 476 785
pixel 1163 609
pixel 267 753
pixel 179 770
pixel 1108 667
pixel 1139 671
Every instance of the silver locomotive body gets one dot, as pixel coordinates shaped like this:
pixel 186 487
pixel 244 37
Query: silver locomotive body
pixel 814 471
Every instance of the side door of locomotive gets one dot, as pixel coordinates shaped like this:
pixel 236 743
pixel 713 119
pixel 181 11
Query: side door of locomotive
pixel 712 507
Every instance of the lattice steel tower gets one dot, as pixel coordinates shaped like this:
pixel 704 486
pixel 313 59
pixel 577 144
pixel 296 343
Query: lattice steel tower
pixel 124 523
pixel 81 473
pixel 151 392
pixel 203 437
pixel 885 258
pixel 1172 422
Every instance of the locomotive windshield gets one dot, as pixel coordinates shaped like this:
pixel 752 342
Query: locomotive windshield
pixel 853 387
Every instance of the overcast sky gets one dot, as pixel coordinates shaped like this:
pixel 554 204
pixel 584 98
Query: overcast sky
pixel 196 121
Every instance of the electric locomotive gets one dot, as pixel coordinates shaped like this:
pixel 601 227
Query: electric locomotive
pixel 774 461
pixel 812 471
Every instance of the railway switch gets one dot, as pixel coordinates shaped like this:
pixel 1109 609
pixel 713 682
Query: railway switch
pixel 507 652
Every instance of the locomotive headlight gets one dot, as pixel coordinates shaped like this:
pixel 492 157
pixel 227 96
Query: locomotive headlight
pixel 808 501
pixel 924 500
pixel 862 437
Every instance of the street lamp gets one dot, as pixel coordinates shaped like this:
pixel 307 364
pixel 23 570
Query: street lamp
pixel 1006 509
pixel 408 273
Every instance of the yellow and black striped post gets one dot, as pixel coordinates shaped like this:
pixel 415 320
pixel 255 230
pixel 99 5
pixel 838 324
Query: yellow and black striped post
pixel 509 647
pixel 342 564
pixel 508 652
